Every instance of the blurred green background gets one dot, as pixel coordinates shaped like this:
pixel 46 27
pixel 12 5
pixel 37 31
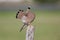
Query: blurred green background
pixel 47 26
pixel 46 23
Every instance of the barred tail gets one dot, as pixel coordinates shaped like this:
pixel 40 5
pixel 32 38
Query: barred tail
pixel 22 27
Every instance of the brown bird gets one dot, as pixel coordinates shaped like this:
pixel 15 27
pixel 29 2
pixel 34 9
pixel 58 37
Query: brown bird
pixel 26 17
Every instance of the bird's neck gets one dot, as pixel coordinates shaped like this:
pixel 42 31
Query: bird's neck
pixel 28 10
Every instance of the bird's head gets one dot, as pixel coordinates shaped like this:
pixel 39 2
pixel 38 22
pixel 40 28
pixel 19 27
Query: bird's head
pixel 19 12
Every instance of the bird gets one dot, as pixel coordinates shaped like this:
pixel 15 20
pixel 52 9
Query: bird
pixel 26 17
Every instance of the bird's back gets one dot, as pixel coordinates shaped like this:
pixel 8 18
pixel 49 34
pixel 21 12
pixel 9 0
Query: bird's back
pixel 30 17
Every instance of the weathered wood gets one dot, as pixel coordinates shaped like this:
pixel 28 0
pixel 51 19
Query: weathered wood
pixel 30 33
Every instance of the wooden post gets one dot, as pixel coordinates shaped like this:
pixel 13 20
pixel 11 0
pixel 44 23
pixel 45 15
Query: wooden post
pixel 30 33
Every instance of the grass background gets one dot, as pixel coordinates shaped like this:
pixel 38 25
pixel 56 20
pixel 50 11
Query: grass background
pixel 46 23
